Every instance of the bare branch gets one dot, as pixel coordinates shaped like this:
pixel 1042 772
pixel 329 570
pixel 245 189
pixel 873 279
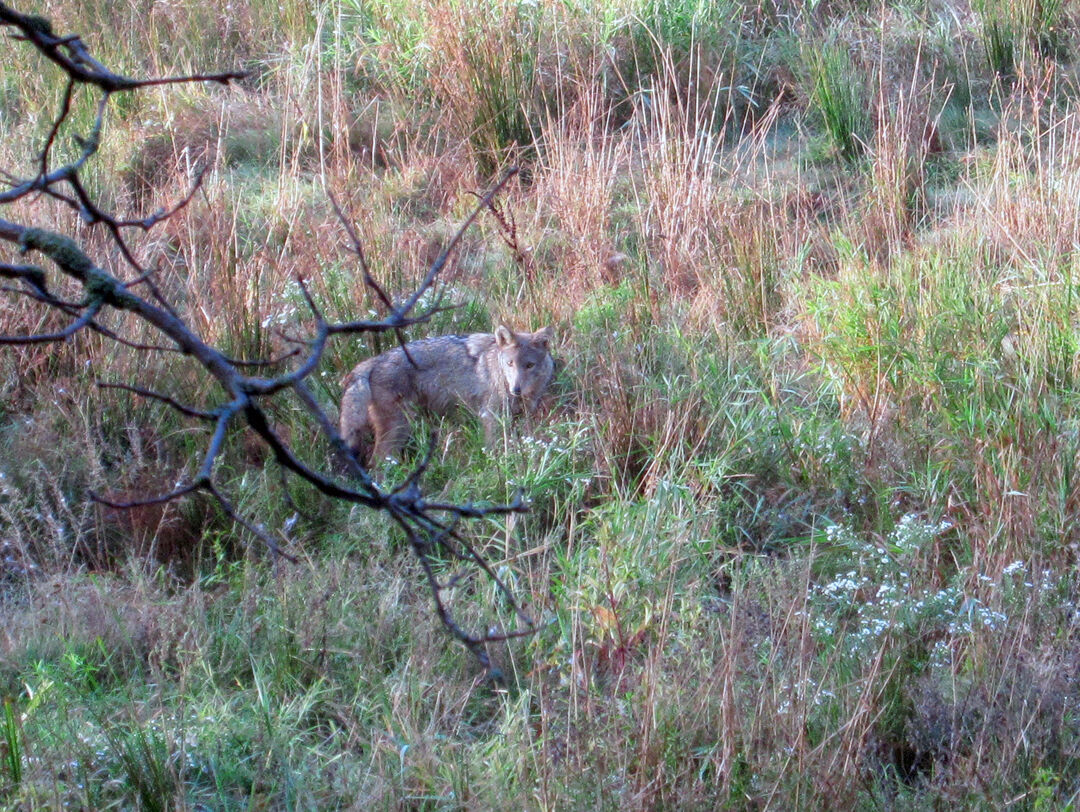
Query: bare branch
pixel 45 181
pixel 135 345
pixel 71 56
pixel 147 393
pixel 31 274
pixel 410 486
pixel 256 530
pixel 358 248
pixel 508 232
pixel 437 266
pixel 473 512
pixel 171 496
pixel 382 325
pixel 147 278
pixel 268 362
pixel 65 109
pixel 84 320
pixel 68 307
pixel 329 430
pixel 285 457
pixel 213 449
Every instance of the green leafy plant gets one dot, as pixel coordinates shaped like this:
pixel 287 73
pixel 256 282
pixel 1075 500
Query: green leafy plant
pixel 838 95
pixel 147 762
pixel 12 740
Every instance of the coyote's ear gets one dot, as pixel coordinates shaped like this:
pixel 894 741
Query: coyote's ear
pixel 504 337
pixel 542 338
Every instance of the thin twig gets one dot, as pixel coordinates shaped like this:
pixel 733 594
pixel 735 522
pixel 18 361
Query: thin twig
pixel 63 335
pixel 189 411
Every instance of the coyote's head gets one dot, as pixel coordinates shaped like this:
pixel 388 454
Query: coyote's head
pixel 526 365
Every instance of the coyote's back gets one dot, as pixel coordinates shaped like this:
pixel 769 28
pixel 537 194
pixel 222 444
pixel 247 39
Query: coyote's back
pixel 487 373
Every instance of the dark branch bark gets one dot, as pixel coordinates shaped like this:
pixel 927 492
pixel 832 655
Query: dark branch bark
pixel 63 335
pixel 71 56
pixel 168 401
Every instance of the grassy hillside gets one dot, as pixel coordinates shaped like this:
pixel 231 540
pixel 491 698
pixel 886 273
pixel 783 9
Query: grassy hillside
pixel 806 502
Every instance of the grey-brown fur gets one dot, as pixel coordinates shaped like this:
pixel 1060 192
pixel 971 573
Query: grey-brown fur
pixel 487 373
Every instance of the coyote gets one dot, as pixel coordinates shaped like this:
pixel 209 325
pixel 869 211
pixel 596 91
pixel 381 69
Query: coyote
pixel 487 373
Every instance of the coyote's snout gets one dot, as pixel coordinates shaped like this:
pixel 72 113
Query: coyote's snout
pixel 487 373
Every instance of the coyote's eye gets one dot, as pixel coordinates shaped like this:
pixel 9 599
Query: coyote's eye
pixel 530 365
